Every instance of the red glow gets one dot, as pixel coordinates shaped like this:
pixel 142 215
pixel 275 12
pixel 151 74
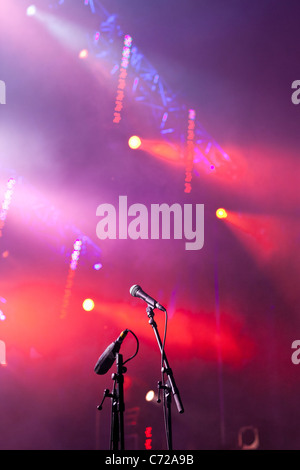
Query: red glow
pixel 148 440
pixel 231 172
pixel 190 334
pixel 164 150
pixel 261 234
pixel 270 240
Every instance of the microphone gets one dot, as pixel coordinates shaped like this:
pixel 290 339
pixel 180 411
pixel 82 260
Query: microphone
pixel 108 357
pixel 137 291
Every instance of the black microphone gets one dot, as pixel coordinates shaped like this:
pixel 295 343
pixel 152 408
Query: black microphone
pixel 137 291
pixel 108 357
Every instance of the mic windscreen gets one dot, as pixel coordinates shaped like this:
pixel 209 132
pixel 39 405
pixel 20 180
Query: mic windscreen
pixel 106 360
pixel 134 289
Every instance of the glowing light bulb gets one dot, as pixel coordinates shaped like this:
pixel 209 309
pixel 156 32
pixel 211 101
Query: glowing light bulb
pixel 134 142
pixel 221 213
pixel 88 305
pixel 97 266
pixel 83 54
pixel 31 11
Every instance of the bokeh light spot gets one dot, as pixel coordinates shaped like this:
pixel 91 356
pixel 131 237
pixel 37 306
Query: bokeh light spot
pixel 83 54
pixel 150 395
pixel 134 142
pixel 221 213
pixel 31 10
pixel 88 305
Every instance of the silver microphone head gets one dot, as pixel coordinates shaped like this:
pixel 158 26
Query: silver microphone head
pixel 134 289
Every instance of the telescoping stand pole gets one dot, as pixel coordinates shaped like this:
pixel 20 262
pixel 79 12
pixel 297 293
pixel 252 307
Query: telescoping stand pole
pixel 171 385
pixel 106 360
pixel 118 407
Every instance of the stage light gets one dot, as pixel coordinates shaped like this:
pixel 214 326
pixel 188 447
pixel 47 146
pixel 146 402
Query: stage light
pixel 150 395
pixel 135 84
pixel 97 266
pixel 2 316
pixel 6 202
pixel 163 121
pixel 221 213
pixel 122 78
pixel 31 11
pixel 190 151
pixel 148 440
pixel 2 354
pixel 88 305
pixel 7 198
pixel 134 142
pixel 75 254
pixel 72 268
pixel 248 438
pixel 83 54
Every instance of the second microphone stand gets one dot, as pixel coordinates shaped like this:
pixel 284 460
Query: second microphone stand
pixel 171 385
pixel 117 406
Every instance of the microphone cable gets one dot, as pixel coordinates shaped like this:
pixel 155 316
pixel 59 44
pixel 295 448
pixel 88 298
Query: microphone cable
pixel 137 347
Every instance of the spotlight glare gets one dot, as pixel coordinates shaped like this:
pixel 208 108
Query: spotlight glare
pixel 134 142
pixel 2 316
pixel 31 11
pixel 83 54
pixel 97 266
pixel 150 395
pixel 88 305
pixel 221 213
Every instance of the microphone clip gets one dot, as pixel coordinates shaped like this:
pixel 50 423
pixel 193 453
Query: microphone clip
pixel 105 395
pixel 166 389
pixel 117 376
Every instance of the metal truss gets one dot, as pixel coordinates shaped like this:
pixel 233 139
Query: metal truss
pixel 38 213
pixel 148 88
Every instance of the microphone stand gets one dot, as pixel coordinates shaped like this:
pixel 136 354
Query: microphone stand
pixel 117 406
pixel 167 389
